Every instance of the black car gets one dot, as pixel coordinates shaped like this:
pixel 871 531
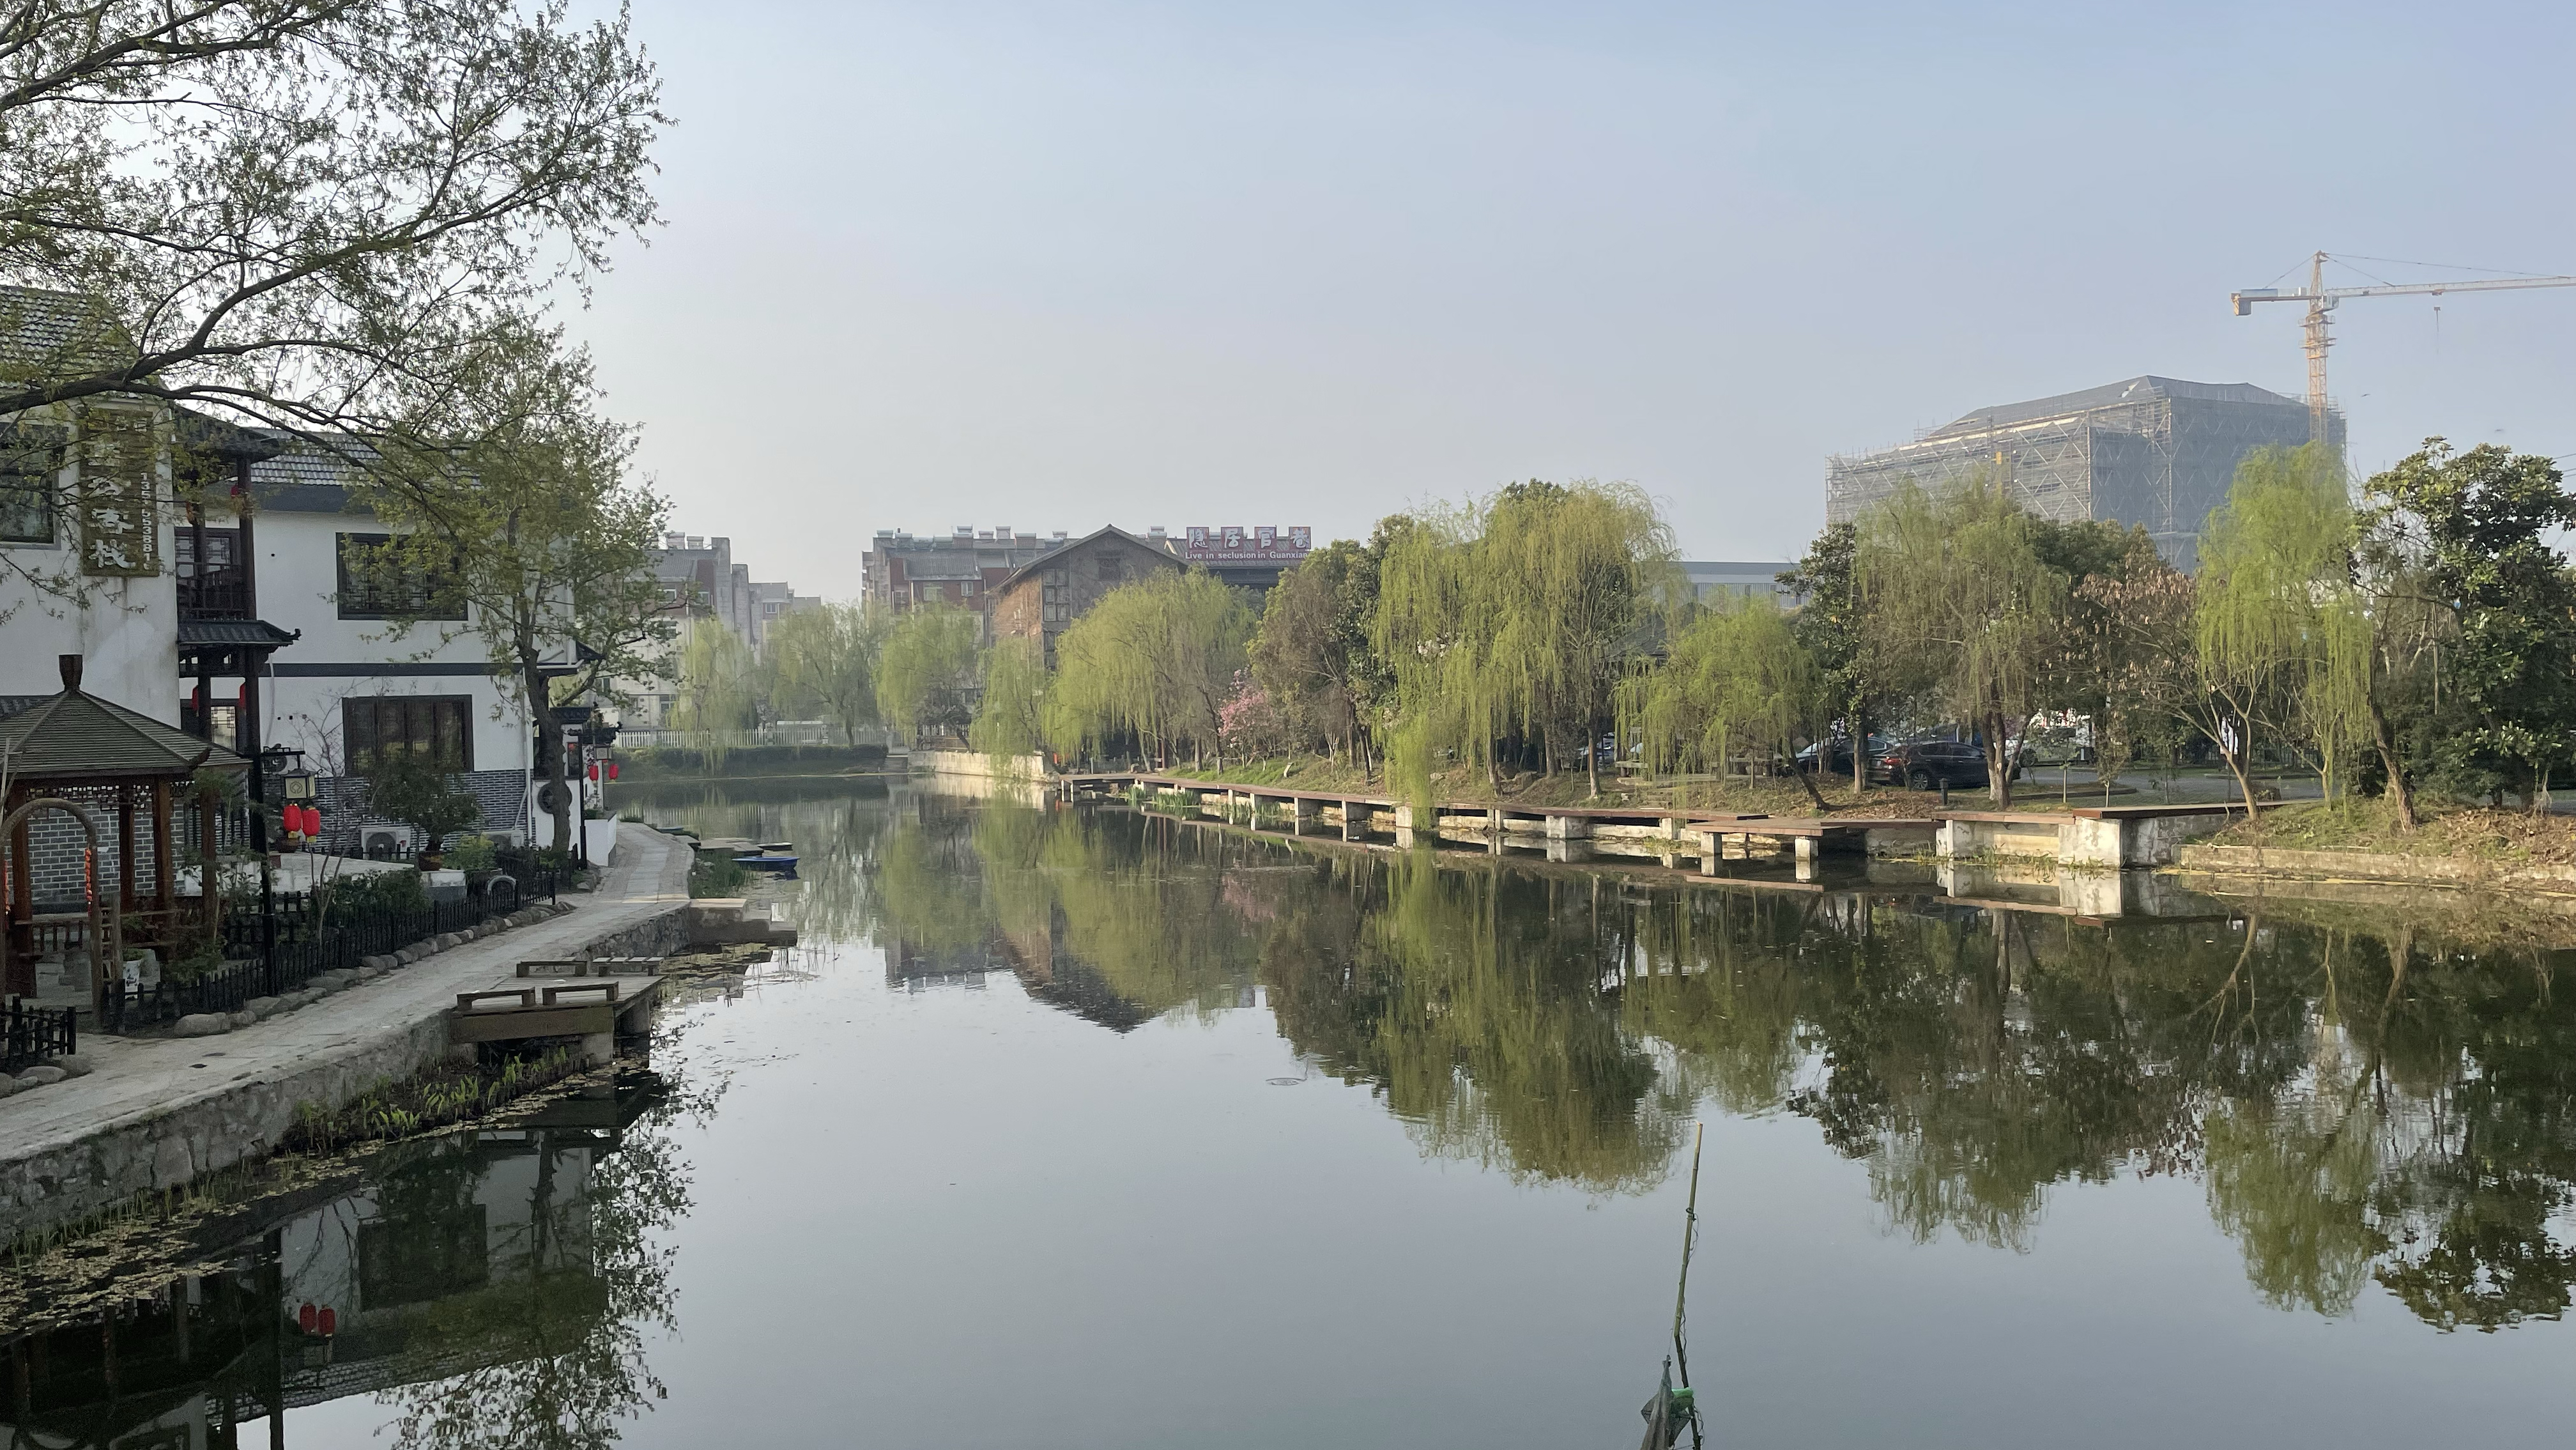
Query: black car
pixel 1836 754
pixel 1931 765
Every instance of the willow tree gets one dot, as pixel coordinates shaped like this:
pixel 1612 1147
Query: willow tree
pixel 1518 617
pixel 1156 659
pixel 827 658
pixel 1010 721
pixel 2279 630
pixel 718 692
pixel 1969 605
pixel 1739 681
pixel 926 671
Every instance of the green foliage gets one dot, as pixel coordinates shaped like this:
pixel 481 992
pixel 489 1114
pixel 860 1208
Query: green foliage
pixel 1520 616
pixel 1010 723
pixel 2471 533
pixel 717 876
pixel 359 894
pixel 402 785
pixel 1311 653
pixel 1835 625
pixel 2280 633
pixel 1970 607
pixel 718 694
pixel 826 659
pixel 925 677
pixel 512 492
pixel 1155 660
pixel 1739 683
pixel 472 853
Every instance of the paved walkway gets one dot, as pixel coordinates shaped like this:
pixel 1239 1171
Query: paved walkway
pixel 140 1080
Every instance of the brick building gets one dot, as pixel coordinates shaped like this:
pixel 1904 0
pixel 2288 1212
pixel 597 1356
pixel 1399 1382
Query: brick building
pixel 1038 599
pixel 961 569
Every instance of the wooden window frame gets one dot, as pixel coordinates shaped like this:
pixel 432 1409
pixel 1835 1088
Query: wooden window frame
pixel 355 602
pixel 362 716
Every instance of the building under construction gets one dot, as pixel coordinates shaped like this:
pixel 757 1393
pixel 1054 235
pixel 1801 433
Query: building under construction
pixel 2156 452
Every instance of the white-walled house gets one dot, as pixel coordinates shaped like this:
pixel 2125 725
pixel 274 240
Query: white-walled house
pixel 357 677
pixel 198 569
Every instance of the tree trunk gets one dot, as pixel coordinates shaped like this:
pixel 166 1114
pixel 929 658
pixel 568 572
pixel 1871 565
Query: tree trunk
pixel 1592 755
pixel 1860 752
pixel 542 713
pixel 2238 762
pixel 1807 778
pixel 2398 793
pixel 1998 762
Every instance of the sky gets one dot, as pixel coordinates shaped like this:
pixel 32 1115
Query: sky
pixel 1052 267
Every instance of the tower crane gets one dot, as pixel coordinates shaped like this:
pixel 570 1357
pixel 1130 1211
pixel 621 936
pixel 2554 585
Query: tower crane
pixel 2321 300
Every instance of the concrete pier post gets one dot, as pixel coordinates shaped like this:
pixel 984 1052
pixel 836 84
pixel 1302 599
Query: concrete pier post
pixel 1568 828
pixel 1809 848
pixel 1303 813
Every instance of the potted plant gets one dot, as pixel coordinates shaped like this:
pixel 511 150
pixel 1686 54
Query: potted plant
pixel 404 786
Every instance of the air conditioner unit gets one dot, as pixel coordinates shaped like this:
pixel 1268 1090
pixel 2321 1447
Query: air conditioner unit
pixel 388 843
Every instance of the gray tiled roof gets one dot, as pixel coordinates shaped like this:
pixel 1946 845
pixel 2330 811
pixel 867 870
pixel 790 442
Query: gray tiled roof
pixel 75 737
pixel 255 632
pixel 47 331
pixel 307 477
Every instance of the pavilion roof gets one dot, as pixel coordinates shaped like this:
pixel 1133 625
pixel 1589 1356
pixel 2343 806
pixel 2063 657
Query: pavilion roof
pixel 74 737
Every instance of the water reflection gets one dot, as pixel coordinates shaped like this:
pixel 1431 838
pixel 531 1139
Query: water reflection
pixel 488 1289
pixel 2361 1104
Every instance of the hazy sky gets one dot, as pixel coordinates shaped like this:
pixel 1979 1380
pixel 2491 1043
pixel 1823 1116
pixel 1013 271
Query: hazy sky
pixel 1060 266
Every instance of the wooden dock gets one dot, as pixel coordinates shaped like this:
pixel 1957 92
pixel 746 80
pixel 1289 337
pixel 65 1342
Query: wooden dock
pixel 1564 833
pixel 591 999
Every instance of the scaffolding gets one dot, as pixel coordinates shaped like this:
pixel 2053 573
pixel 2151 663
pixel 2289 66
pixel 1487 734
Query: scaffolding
pixel 2155 452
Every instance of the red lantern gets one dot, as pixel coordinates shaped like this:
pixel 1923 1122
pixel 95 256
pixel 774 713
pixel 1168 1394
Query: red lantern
pixel 593 772
pixel 305 1318
pixel 612 770
pixel 330 1322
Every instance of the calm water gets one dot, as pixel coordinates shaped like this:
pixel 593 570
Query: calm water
pixel 1086 1128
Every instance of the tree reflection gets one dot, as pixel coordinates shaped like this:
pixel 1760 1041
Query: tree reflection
pixel 558 1353
pixel 2362 1104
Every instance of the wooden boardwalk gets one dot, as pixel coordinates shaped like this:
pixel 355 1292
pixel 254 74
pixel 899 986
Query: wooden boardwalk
pixel 1665 833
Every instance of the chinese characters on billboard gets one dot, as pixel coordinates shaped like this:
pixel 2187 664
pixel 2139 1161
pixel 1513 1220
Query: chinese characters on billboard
pixel 1228 544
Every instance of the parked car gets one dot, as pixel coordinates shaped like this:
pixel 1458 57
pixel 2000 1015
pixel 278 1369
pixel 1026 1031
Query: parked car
pixel 1836 754
pixel 1931 765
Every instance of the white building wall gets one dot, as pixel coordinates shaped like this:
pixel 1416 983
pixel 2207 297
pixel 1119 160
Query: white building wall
pixel 338 659
pixel 126 629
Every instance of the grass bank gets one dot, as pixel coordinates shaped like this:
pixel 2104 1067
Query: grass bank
pixel 2474 833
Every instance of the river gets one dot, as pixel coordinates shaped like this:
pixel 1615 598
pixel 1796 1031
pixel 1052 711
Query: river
pixel 1085 1127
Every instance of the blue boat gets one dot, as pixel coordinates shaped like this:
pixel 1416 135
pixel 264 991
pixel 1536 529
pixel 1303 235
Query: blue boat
pixel 774 863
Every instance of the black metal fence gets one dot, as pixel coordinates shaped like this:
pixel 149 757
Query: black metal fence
pixel 283 949
pixel 29 1034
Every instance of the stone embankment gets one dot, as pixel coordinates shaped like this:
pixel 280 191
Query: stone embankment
pixel 154 1113
pixel 2458 872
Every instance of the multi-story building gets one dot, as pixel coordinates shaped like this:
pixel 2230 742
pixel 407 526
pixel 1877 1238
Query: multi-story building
pixel 699 576
pixel 2156 452
pixel 1040 598
pixel 376 662
pixel 961 569
pixel 1712 581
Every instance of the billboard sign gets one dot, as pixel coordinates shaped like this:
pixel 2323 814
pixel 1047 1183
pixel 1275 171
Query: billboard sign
pixel 1230 544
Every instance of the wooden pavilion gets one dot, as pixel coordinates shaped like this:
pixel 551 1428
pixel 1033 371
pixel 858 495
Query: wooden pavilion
pixel 110 764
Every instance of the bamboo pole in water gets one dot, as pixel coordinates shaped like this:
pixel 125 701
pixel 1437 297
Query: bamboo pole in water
pixel 1690 1231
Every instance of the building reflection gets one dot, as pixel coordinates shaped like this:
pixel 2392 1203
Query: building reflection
pixel 470 1255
